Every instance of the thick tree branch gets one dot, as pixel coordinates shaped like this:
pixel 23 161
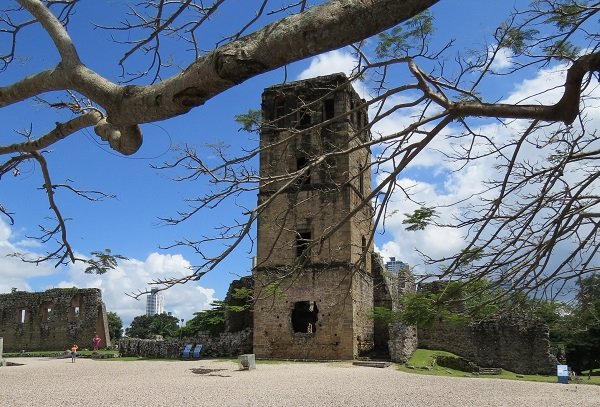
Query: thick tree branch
pixel 54 28
pixel 565 110
pixel 61 131
pixel 320 29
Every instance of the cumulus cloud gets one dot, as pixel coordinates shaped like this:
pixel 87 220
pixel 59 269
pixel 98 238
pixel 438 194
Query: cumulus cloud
pixel 334 62
pixel 434 181
pixel 502 60
pixel 129 277
pixel 132 275
pixel 329 63
pixel 13 272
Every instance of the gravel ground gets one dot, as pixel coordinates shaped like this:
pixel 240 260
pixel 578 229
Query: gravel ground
pixel 58 382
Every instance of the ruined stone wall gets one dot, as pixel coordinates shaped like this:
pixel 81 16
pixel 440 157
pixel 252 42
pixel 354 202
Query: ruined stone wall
pixel 150 348
pixel 228 344
pixel 514 344
pixel 236 321
pixel 362 300
pixel 333 336
pixel 53 319
pixel 382 299
pixel 398 339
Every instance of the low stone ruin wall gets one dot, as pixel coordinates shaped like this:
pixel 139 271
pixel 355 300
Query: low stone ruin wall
pixel 517 345
pixel 228 344
pixel 150 348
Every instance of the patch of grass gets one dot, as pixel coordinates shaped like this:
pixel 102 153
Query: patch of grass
pixel 51 353
pixel 595 372
pixel 425 357
pixel 422 363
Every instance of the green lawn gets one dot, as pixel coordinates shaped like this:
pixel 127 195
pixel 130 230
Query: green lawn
pixel 50 353
pixel 422 363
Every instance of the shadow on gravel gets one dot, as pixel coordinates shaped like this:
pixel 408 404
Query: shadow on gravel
pixel 14 364
pixel 208 372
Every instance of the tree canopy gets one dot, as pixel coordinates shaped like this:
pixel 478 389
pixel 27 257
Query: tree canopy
pixel 115 326
pixel 529 225
pixel 580 330
pixel 147 327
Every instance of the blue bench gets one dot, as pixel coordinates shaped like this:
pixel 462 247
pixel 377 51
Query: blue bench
pixel 191 351
pixel 187 348
pixel 197 351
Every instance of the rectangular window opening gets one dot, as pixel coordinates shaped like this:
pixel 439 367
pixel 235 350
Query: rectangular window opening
pixel 21 316
pixel 328 109
pixel 279 108
pixel 305 316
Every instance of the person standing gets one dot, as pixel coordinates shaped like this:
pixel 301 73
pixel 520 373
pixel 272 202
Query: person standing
pixel 74 352
pixel 96 342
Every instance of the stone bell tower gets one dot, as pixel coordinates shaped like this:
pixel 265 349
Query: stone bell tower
pixel 313 282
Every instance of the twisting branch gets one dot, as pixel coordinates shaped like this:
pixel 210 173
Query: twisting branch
pixel 61 131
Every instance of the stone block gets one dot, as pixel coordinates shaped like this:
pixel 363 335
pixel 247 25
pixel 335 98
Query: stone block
pixel 247 361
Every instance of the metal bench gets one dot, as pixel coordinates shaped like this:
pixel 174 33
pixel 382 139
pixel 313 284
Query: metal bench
pixel 187 348
pixel 490 370
pixel 197 351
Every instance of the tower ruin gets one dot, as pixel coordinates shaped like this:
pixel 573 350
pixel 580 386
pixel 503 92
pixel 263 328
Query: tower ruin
pixel 312 280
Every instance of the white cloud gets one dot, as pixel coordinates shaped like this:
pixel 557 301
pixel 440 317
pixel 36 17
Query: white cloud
pixel 502 60
pixel 132 275
pixel 329 63
pixel 449 185
pixel 14 273
pixel 129 277
pixel 545 88
pixel 334 62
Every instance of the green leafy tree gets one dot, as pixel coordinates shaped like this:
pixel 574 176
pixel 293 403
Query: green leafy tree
pixel 212 320
pixel 582 333
pixel 146 327
pixel 101 262
pixel 115 326
pixel 464 301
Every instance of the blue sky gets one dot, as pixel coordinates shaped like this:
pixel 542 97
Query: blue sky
pixel 129 223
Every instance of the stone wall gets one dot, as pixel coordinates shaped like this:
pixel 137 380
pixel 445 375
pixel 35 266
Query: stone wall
pixel 394 339
pixel 236 321
pixel 228 344
pixel 150 348
pixel 328 291
pixel 517 345
pixel 53 319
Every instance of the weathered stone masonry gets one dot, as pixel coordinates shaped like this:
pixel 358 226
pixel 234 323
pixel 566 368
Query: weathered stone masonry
pixel 511 342
pixel 324 295
pixel 53 319
pixel 514 344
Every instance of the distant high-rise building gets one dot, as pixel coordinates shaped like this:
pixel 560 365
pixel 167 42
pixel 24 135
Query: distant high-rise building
pixel 155 303
pixel 394 266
